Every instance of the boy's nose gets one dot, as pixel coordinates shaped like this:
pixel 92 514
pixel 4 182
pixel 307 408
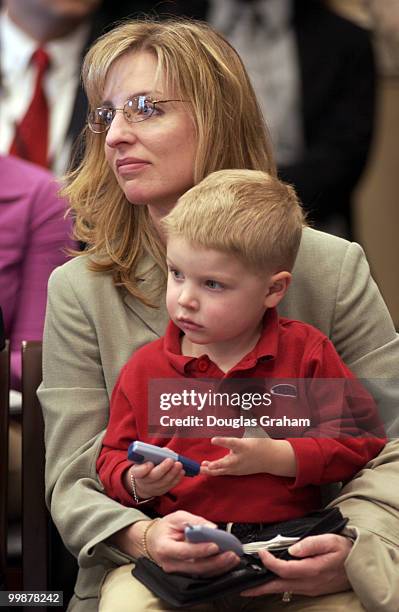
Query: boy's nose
pixel 187 299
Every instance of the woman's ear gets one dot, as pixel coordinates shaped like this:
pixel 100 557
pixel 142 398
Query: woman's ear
pixel 278 285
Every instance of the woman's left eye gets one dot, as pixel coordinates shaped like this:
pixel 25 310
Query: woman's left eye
pixel 212 284
pixel 151 110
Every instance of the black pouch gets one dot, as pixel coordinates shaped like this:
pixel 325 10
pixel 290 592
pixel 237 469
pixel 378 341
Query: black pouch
pixel 181 590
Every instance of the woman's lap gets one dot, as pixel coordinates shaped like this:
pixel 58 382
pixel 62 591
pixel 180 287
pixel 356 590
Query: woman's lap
pixel 124 593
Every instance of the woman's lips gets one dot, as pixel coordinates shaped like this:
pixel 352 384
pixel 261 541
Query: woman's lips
pixel 130 165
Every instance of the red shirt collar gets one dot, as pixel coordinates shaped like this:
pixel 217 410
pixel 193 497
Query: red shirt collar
pixel 266 347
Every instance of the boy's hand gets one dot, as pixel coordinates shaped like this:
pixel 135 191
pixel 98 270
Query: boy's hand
pixel 252 456
pixel 152 481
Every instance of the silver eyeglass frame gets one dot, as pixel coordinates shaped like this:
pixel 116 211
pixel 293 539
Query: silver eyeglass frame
pixel 100 128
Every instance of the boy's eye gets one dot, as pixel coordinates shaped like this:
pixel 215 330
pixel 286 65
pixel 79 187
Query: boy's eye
pixel 176 274
pixel 212 284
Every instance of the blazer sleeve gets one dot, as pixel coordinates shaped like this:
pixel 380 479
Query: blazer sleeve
pixel 364 335
pixel 349 308
pixel 370 501
pixel 121 430
pixel 75 404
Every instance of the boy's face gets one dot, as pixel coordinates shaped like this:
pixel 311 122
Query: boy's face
pixel 212 296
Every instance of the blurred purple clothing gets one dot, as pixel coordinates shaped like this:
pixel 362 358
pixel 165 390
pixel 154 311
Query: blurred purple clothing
pixel 33 239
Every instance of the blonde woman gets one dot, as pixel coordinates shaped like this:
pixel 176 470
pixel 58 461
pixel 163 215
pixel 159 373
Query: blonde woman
pixel 171 102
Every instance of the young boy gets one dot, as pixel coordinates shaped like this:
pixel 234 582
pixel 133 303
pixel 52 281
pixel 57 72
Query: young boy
pixel 232 241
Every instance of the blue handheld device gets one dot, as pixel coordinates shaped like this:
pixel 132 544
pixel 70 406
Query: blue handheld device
pixel 141 451
pixel 225 541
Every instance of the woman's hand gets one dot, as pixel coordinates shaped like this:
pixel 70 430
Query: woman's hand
pixel 167 546
pixel 320 570
pixel 151 480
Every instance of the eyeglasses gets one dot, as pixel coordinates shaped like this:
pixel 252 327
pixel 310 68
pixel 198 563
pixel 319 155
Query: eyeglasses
pixel 138 108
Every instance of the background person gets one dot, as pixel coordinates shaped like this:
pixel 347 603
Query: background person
pixel 41 122
pixel 34 239
pixel 110 300
pixel 314 74
pixel 42 43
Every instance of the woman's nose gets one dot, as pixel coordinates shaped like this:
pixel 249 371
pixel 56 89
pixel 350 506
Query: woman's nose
pixel 120 131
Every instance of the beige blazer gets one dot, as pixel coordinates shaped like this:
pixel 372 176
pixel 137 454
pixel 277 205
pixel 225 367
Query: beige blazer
pixel 91 330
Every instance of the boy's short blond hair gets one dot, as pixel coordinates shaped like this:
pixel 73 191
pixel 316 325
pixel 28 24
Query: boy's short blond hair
pixel 247 213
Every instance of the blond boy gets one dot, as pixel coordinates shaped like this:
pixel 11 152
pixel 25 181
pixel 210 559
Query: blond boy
pixel 231 242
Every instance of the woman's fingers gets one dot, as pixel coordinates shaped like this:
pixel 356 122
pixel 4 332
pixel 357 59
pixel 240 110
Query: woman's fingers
pixel 174 554
pixel 320 571
pixel 210 565
pixel 321 545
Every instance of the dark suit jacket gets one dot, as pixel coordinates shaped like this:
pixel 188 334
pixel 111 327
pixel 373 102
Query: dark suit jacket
pixel 338 99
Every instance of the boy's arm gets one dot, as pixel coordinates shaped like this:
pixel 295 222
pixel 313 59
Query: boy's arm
pixel 323 460
pixel 346 431
pixel 116 471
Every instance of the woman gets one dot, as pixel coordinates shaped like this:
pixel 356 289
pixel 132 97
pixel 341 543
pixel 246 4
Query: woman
pixel 172 102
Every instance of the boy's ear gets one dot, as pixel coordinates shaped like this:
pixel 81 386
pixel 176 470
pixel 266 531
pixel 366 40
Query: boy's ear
pixel 278 285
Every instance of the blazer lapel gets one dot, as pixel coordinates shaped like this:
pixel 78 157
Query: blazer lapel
pixel 149 276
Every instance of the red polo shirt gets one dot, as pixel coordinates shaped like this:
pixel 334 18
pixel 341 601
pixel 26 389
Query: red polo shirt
pixel 286 349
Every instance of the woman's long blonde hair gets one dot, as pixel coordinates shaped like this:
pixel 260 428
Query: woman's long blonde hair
pixel 199 66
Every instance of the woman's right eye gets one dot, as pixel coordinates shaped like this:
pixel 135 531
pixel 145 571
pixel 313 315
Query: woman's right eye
pixel 105 115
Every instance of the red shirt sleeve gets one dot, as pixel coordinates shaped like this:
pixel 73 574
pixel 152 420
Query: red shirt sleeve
pixel 346 431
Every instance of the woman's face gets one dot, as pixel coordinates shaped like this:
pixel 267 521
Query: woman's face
pixel 153 160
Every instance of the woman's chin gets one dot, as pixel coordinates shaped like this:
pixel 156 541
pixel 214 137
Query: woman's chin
pixel 136 197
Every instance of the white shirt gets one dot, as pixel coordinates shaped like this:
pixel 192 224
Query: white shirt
pixel 268 48
pixel 18 78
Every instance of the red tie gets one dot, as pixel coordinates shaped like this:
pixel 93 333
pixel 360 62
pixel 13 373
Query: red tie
pixel 31 134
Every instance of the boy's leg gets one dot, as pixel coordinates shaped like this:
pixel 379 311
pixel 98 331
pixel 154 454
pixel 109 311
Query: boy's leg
pixel 121 592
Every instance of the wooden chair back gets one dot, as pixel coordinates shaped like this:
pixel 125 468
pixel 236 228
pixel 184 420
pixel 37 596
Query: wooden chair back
pixel 35 517
pixel 47 564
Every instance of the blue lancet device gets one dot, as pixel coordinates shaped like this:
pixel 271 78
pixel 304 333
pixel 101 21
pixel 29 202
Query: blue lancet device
pixel 141 451
pixel 225 541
